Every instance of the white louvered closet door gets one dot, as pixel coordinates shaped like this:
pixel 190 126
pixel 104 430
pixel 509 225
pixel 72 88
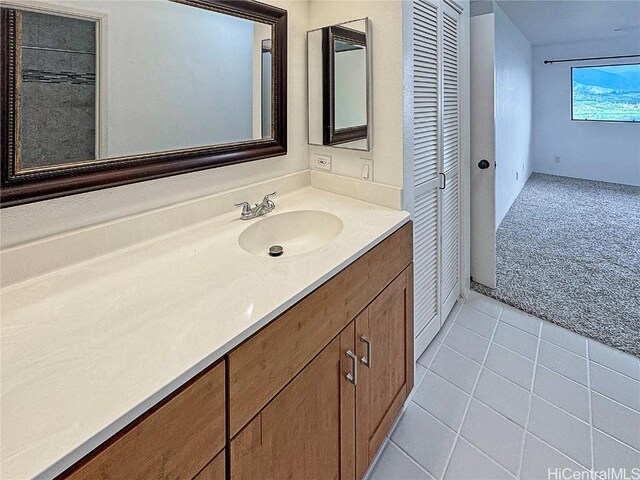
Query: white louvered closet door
pixel 426 108
pixel 450 162
pixel 436 166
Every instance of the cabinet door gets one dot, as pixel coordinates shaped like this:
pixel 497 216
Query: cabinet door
pixel 215 469
pixel 384 344
pixel 426 134
pixel 308 430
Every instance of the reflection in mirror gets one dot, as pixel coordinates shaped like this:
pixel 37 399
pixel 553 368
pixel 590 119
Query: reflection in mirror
pixel 349 74
pixel 339 89
pixel 195 78
pixel 57 96
pixel 266 88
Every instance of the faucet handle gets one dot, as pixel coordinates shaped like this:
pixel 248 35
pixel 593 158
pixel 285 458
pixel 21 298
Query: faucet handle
pixel 246 207
pixel 267 199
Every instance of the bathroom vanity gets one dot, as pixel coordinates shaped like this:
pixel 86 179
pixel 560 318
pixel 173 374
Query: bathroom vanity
pixel 192 355
pixel 311 395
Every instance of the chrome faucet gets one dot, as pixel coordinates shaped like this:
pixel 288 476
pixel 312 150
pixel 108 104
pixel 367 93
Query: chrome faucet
pixel 249 212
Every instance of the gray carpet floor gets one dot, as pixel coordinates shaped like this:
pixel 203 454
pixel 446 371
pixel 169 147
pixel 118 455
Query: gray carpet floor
pixel 568 251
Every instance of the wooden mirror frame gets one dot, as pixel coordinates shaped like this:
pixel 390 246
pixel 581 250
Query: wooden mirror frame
pixel 16 188
pixel 331 135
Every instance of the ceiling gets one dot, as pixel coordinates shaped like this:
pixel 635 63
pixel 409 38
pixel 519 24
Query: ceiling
pixel 558 21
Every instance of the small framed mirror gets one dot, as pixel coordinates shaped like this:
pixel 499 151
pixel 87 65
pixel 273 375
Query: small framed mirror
pixel 99 94
pixel 339 85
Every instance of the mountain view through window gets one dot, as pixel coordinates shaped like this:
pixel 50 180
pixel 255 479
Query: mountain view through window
pixel 607 93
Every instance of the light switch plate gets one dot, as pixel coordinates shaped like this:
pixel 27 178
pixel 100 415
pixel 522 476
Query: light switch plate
pixel 322 162
pixel 367 169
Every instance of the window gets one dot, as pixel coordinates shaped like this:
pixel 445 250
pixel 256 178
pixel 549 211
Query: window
pixel 606 93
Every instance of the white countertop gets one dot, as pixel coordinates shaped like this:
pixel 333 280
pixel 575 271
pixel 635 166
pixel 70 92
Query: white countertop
pixel 87 349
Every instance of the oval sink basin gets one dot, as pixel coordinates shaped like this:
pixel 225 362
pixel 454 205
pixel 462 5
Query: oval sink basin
pixel 297 232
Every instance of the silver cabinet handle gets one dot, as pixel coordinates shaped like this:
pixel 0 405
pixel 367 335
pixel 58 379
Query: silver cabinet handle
pixel 366 360
pixel 352 377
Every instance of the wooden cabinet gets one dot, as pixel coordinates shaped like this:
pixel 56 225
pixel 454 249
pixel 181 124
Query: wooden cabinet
pixel 307 431
pixel 174 440
pixel 310 396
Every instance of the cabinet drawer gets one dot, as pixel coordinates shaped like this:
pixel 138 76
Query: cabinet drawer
pixel 176 439
pixel 264 364
pixel 388 260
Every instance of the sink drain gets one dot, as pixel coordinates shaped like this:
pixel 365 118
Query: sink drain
pixel 276 250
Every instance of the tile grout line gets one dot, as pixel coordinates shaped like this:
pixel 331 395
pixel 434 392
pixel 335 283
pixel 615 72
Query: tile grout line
pixel 555 449
pixel 611 369
pixel 466 410
pixel 410 458
pixel 434 417
pixel 484 313
pixel 562 348
pixel 466 355
pixel 590 408
pixel 449 382
pixel 537 319
pixel 514 352
pixel 617 440
pixel 475 333
pixel 588 386
pixel 526 420
pixel 399 447
pixel 569 378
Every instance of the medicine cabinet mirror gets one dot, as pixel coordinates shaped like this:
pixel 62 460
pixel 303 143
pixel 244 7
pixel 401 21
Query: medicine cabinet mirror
pixel 101 93
pixel 339 85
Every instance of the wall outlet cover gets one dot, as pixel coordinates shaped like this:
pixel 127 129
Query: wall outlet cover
pixel 556 159
pixel 321 162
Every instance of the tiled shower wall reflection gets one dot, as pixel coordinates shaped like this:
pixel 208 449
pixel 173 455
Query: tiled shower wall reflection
pixel 58 97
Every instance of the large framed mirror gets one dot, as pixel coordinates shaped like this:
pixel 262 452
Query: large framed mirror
pixel 100 93
pixel 339 83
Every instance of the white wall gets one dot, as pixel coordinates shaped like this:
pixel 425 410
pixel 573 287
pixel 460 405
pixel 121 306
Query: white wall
pixel 602 151
pixel 36 220
pixel 513 112
pixel 386 33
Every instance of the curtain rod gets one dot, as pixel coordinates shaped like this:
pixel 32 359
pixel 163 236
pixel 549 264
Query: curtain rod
pixel 589 58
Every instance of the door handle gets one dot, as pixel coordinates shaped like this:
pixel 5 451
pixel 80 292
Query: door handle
pixel 444 181
pixel 482 164
pixel 352 376
pixel 366 359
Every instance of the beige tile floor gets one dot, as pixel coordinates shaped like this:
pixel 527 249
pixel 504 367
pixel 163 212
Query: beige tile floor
pixel 501 394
